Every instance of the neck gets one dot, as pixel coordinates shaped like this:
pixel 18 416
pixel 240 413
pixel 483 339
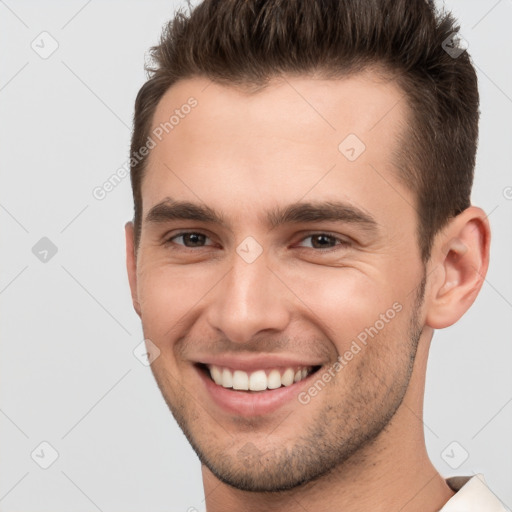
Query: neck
pixel 393 472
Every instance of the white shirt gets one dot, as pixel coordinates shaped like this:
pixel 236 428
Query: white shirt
pixel 472 495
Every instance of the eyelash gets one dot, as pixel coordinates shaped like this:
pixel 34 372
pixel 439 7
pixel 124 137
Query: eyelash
pixel 342 242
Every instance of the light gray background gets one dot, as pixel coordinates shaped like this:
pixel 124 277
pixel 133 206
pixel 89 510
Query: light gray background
pixel 68 374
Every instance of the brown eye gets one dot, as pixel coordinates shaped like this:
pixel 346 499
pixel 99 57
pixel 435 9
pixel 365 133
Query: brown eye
pixel 190 239
pixel 324 241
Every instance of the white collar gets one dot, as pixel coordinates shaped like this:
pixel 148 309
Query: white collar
pixel 472 495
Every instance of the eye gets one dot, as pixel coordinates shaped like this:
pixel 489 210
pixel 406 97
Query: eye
pixel 325 241
pixel 190 239
pixel 194 239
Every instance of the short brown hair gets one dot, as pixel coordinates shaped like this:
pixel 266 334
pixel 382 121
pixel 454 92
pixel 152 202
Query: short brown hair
pixel 248 42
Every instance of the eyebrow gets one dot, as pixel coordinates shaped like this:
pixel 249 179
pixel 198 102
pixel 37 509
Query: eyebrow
pixel 299 212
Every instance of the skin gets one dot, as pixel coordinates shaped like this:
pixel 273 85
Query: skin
pixel 359 443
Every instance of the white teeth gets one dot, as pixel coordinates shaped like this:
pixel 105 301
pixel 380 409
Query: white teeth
pixel 274 380
pixel 287 378
pixel 227 378
pixel 240 380
pixel 216 375
pixel 257 380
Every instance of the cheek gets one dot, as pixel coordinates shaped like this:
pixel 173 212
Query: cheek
pixel 342 301
pixel 168 294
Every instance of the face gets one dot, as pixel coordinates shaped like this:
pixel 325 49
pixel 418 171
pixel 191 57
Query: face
pixel 293 265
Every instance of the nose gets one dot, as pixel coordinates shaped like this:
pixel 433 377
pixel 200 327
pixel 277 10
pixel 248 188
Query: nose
pixel 248 300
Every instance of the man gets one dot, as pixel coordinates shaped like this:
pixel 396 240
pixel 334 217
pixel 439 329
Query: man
pixel 301 174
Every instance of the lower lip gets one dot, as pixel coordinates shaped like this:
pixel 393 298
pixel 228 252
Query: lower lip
pixel 251 404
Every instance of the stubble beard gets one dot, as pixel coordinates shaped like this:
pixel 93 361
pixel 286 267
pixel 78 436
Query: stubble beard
pixel 336 435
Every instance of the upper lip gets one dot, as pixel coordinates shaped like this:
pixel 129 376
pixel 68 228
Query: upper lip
pixel 259 362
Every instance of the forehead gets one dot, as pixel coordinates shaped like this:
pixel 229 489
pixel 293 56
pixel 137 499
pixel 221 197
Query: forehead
pixel 308 108
pixel 297 136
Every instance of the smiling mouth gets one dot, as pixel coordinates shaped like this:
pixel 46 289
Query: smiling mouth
pixel 258 380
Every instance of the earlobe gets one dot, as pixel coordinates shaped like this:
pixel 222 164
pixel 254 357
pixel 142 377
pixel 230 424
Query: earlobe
pixel 131 265
pixel 460 258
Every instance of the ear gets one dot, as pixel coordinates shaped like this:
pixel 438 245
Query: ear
pixel 131 264
pixel 458 265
